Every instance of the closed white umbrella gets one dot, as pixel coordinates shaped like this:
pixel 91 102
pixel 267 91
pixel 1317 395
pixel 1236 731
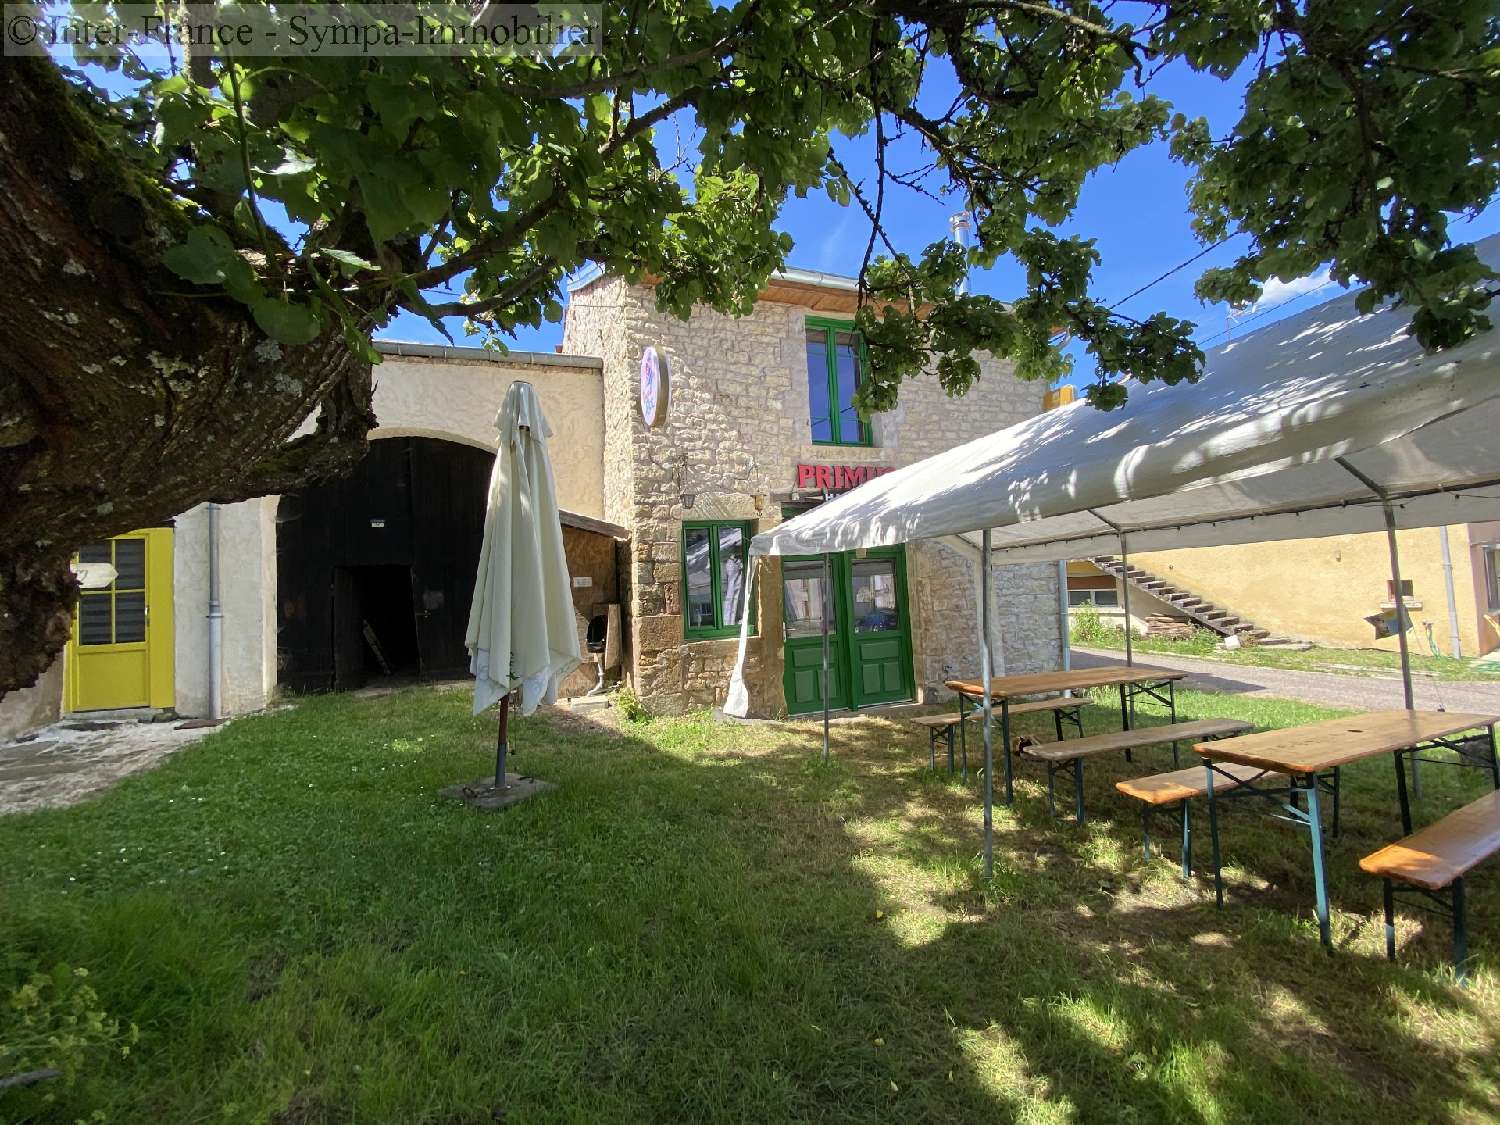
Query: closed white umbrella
pixel 521 636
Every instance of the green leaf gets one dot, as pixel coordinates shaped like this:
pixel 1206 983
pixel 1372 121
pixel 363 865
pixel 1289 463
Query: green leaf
pixel 346 258
pixel 286 321
pixel 205 258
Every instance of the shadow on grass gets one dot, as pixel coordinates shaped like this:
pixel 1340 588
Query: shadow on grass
pixel 701 922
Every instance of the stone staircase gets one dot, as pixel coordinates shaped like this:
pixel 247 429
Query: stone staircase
pixel 1198 610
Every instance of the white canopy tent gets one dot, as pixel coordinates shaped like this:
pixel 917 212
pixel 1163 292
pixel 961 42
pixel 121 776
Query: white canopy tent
pixel 1324 423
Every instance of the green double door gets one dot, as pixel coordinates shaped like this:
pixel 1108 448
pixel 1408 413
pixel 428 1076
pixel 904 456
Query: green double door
pixel 869 630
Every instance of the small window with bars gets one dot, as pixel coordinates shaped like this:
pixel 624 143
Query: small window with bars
pixel 115 614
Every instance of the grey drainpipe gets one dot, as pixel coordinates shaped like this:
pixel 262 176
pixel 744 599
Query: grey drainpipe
pixel 215 620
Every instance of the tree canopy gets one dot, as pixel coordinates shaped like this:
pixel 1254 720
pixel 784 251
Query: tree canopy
pixel 244 225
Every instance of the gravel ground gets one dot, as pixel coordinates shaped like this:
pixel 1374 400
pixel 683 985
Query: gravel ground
pixel 1358 693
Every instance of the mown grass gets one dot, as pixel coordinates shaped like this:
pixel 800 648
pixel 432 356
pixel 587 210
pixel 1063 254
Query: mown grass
pixel 704 922
pixel 1320 658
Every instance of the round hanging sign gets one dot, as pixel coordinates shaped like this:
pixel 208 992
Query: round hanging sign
pixel 656 387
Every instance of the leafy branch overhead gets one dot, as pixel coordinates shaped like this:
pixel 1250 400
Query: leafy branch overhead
pixel 472 186
pixel 196 254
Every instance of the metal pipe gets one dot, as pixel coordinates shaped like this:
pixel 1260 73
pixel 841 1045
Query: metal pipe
pixel 1454 642
pixel 825 593
pixel 1125 595
pixel 985 672
pixel 1401 618
pixel 1064 622
pixel 215 620
pixel 960 226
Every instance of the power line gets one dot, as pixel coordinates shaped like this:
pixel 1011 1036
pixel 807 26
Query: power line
pixel 1175 269
pixel 1264 312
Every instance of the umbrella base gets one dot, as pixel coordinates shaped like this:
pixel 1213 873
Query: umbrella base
pixel 481 794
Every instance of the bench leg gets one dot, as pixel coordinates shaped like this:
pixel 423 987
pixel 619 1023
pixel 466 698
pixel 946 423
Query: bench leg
pixel 1057 724
pixel 1213 837
pixel 1390 920
pixel 1336 789
pixel 963 730
pixel 1146 829
pixel 1460 934
pixel 1187 840
pixel 1078 789
pixel 1320 878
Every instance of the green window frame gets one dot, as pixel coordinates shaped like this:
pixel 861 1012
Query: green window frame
pixel 829 330
pixel 714 624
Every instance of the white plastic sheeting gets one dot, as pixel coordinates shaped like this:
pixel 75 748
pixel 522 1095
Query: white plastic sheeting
pixel 1247 454
pixel 1260 449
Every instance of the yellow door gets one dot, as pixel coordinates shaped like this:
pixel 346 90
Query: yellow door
pixel 120 654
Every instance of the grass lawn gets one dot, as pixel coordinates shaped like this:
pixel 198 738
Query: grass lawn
pixel 1319 658
pixel 704 922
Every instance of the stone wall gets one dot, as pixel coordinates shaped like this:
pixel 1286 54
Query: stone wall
pixel 738 424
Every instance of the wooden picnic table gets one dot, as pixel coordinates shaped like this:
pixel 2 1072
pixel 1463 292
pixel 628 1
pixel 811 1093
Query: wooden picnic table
pixel 1131 679
pixel 1310 756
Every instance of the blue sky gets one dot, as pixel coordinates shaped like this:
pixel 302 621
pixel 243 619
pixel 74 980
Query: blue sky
pixel 1136 210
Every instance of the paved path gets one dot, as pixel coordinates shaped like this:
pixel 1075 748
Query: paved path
pixel 65 762
pixel 1358 693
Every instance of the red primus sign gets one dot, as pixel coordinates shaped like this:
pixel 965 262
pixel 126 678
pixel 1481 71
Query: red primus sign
pixel 837 478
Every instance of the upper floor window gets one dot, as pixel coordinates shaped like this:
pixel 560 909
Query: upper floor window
pixel 835 367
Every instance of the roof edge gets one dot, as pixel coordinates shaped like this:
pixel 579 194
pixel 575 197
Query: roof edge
pixel 413 350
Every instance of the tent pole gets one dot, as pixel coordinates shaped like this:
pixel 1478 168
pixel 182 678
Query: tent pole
pixel 826 594
pixel 502 742
pixel 1401 618
pixel 1064 621
pixel 1125 594
pixel 985 671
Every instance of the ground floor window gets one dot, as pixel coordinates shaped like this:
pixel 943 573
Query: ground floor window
pixel 1492 577
pixel 1103 599
pixel 714 565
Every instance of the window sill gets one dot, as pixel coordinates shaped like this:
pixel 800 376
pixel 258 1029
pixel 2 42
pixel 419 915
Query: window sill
pixel 1409 603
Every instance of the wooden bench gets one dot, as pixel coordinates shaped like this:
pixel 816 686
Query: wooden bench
pixel 1068 755
pixel 1163 790
pixel 1434 860
pixel 1069 707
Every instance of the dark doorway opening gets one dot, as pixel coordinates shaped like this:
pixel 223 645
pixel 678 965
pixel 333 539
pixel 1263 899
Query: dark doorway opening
pixel 395 545
pixel 374 629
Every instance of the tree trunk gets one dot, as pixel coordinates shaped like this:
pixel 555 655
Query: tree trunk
pixel 126 398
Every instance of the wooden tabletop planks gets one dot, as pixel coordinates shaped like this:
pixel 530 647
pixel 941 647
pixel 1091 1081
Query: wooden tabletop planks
pixel 1040 683
pixel 1315 747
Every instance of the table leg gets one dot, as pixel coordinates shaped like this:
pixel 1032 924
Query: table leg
pixel 932 749
pixel 1213 836
pixel 1390 921
pixel 1010 785
pixel 1052 789
pixel 1187 840
pixel 1460 934
pixel 950 751
pixel 1401 794
pixel 1078 790
pixel 1172 711
pixel 1057 724
pixel 1495 755
pixel 1337 787
pixel 1320 879
pixel 1125 710
pixel 963 730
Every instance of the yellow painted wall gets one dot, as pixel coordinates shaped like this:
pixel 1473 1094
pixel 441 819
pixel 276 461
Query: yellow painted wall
pixel 1322 589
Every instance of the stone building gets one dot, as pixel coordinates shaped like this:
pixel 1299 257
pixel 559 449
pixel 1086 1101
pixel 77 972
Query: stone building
pixel 752 435
pixel 757 426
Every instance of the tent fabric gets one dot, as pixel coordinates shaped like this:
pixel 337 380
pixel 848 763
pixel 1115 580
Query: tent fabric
pixel 1255 440
pixel 522 634
pixel 1260 449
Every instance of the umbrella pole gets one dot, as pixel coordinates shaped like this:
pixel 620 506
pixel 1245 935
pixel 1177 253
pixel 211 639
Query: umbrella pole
pixel 985 671
pixel 502 742
pixel 826 595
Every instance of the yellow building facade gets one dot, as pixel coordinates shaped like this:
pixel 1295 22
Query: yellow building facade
pixel 1323 589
